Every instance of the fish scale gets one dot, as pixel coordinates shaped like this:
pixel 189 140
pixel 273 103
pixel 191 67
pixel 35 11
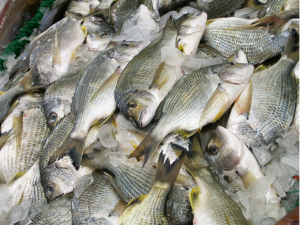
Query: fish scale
pixel 228 35
pixel 270 8
pixel 34 133
pixel 96 202
pixel 272 107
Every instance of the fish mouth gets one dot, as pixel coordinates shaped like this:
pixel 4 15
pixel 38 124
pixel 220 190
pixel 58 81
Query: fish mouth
pixel 141 118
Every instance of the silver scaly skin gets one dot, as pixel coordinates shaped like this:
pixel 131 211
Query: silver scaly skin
pixel 131 181
pixel 28 187
pixel 96 203
pixel 28 127
pixel 196 100
pixel 134 88
pixel 211 205
pixel 230 34
pixel 272 105
pixel 151 208
pixel 58 213
pixel 270 8
pixel 216 8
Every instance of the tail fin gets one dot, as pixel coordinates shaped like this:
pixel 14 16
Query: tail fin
pixel 291 49
pixel 147 147
pixel 167 172
pixel 73 147
pixel 275 21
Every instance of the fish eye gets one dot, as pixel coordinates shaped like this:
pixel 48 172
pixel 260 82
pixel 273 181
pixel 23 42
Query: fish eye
pixel 231 63
pixel 131 105
pixel 213 150
pixel 52 118
pixel 103 34
pixel 50 188
pixel 125 45
pixel 36 92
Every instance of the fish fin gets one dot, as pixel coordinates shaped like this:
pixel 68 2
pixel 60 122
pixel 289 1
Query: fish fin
pixel 4 137
pixel 185 133
pixel 14 105
pixel 118 209
pixel 194 197
pixel 115 186
pixel 274 22
pixel 210 21
pixel 242 104
pixel 17 176
pixel 56 53
pixel 31 80
pixel 227 219
pixel 84 30
pixel 291 49
pixel 147 147
pixel 254 3
pixel 166 173
pixel 2 93
pixel 159 80
pixel 175 23
pixel 260 68
pixel 138 134
pixel 18 128
pixel 72 147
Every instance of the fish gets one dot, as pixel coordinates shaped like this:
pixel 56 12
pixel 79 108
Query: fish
pixel 99 33
pixel 29 131
pixel 13 16
pixel 191 31
pixel 291 4
pixel 58 96
pixel 27 187
pixel 210 203
pixel 59 212
pixel 274 88
pixel 55 14
pixel 259 41
pixel 230 160
pixel 82 7
pixel 131 180
pixel 270 8
pixel 215 8
pixel 163 5
pixel 146 72
pixel 150 208
pixel 121 11
pixel 59 177
pixel 196 100
pixel 97 203
pixel 96 85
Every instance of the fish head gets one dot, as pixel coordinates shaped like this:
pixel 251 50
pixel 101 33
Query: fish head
pixel 58 178
pixel 236 73
pixel 140 107
pixel 55 109
pixel 223 151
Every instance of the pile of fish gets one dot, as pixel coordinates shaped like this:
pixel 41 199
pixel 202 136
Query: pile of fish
pixel 153 112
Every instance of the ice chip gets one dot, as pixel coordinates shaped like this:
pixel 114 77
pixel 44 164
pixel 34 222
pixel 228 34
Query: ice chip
pixel 243 13
pixel 260 187
pixel 291 171
pixel 117 158
pixel 291 160
pixel 243 198
pixel 106 136
pixel 81 184
pixel 257 209
pixel 278 188
pixel 172 56
pixel 4 192
pixel 268 221
pixel 273 169
pixel 190 64
pixel 287 204
pixel 16 214
pixel 289 143
pixel 263 156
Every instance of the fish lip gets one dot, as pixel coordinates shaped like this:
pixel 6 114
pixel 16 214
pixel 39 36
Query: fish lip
pixel 141 117
pixel 221 131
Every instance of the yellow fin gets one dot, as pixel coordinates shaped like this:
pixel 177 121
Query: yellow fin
pixel 194 197
pixel 1 92
pixel 17 176
pixel 56 53
pixel 227 219
pixel 209 21
pixel 159 79
pixel 137 200
pixel 84 29
pixel 260 68
pixel 18 127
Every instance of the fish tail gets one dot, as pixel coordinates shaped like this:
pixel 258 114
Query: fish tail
pixel 277 20
pixel 147 147
pixel 291 49
pixel 167 172
pixel 173 23
pixel 73 147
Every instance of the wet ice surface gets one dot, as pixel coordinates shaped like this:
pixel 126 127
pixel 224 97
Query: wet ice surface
pixel 172 56
pixel 279 164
